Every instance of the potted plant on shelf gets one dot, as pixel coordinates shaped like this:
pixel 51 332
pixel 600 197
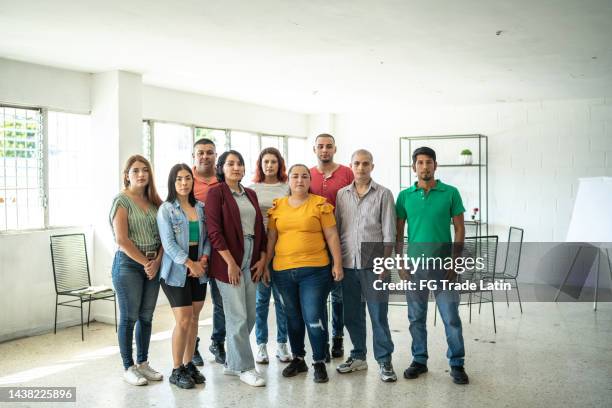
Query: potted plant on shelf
pixel 474 213
pixel 466 156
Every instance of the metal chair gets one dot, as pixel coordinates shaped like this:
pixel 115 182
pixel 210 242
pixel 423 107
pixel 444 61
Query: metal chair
pixel 512 262
pixel 484 247
pixel 72 278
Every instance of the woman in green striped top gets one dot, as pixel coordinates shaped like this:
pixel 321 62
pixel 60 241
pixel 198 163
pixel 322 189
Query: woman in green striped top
pixel 133 217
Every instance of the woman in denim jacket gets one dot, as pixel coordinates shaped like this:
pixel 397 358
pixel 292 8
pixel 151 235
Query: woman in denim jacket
pixel 183 233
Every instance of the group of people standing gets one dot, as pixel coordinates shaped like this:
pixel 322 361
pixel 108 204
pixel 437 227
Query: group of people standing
pixel 295 234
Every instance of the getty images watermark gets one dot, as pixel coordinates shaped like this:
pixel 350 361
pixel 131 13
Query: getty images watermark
pixel 435 273
pixel 543 271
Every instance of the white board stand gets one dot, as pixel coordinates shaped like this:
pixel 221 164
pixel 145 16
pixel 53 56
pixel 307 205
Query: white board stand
pixel 591 222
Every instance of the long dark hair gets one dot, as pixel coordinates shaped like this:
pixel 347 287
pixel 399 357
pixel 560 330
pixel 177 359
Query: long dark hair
pixel 172 194
pixel 221 162
pixel 281 174
pixel 150 190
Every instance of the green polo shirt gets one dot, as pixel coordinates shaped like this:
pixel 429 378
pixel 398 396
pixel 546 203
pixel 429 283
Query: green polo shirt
pixel 429 215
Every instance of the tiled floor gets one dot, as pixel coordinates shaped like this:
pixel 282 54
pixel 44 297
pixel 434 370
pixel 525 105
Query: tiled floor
pixel 552 355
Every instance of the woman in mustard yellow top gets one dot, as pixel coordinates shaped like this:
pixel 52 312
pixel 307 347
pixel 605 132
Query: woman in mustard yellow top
pixel 301 227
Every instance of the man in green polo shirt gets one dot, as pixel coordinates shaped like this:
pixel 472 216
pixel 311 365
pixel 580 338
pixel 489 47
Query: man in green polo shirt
pixel 429 206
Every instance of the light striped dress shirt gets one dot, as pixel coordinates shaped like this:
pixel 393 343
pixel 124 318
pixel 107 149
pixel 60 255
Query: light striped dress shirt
pixel 369 219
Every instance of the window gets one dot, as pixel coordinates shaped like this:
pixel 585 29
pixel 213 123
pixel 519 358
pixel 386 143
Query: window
pixel 70 168
pixel 298 151
pixel 218 136
pixel 248 145
pixel 21 169
pixel 166 144
pixel 273 141
pixel 172 144
pixel 147 140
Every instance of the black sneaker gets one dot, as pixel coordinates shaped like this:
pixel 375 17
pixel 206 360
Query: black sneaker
pixel 387 374
pixel 197 357
pixel 415 370
pixel 181 378
pixel 297 365
pixel 195 374
pixel 337 348
pixel 327 354
pixel 218 351
pixel 459 375
pixel 320 374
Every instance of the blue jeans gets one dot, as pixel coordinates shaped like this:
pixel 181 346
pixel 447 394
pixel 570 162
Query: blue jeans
pixel 303 293
pixel 137 297
pixel 218 317
pixel 357 292
pixel 261 315
pixel 448 305
pixel 337 310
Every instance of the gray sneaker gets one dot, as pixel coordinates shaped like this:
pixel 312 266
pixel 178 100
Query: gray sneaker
pixel 351 365
pixel 387 374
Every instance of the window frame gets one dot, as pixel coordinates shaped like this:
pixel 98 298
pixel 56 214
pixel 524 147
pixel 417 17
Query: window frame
pixel 42 152
pixel 43 169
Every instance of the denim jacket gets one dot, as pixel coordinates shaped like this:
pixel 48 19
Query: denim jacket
pixel 173 226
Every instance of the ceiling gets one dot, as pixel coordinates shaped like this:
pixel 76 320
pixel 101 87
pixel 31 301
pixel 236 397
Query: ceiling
pixel 329 56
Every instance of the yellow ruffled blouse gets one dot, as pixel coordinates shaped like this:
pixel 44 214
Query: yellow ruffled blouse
pixel 301 242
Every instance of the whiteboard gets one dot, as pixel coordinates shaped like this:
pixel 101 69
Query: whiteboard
pixel 592 216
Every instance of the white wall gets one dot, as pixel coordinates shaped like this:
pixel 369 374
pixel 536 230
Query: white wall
pixel 37 85
pixel 537 152
pixel 176 106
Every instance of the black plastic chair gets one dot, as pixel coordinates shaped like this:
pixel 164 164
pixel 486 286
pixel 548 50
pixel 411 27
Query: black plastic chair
pixel 71 276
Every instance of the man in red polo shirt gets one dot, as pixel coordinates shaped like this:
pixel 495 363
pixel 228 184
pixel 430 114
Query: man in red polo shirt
pixel 205 159
pixel 327 177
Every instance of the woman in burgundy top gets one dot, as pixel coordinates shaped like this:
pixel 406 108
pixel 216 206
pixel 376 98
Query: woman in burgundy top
pixel 236 232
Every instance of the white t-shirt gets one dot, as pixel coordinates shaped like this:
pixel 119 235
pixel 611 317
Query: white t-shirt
pixel 268 192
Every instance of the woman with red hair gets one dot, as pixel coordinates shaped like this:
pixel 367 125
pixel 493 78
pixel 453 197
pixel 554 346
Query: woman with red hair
pixel 270 183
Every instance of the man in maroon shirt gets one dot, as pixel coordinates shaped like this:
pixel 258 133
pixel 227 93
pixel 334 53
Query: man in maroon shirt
pixel 327 177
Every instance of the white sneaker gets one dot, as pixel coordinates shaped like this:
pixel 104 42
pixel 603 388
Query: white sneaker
pixel 227 371
pixel 149 373
pixel 133 376
pixel 262 354
pixel 352 365
pixel 282 352
pixel 252 378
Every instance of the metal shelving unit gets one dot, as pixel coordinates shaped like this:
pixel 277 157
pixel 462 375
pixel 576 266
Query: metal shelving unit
pixel 472 180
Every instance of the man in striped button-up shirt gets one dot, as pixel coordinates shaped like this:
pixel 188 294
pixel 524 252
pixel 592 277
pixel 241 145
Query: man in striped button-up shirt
pixel 365 212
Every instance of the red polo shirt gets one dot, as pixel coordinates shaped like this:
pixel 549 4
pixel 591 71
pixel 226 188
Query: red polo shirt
pixel 201 187
pixel 328 186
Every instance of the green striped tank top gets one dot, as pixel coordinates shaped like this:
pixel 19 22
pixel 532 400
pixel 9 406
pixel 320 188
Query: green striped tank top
pixel 142 225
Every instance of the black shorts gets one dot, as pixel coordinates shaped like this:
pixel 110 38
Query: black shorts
pixel 193 291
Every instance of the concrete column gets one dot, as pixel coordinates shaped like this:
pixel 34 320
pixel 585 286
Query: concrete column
pixel 116 121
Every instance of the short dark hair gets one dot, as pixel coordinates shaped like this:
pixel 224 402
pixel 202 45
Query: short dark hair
pixel 204 141
pixel 172 194
pixel 221 162
pixel 427 151
pixel 325 135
